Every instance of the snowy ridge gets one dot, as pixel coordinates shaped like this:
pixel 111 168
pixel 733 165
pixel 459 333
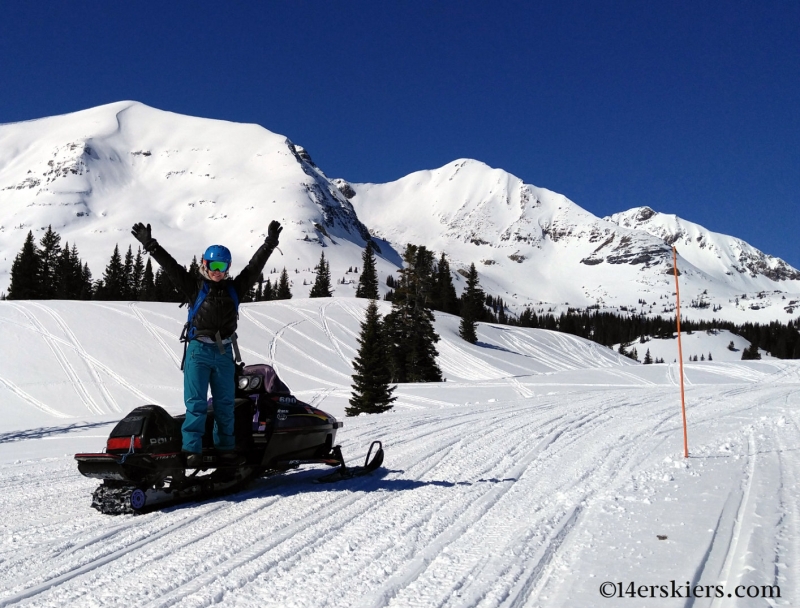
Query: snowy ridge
pixel 93 174
pixel 712 252
pixel 511 484
pixel 535 247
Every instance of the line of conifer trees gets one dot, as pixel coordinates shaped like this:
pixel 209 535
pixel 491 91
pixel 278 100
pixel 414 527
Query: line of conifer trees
pixel 781 340
pixel 47 271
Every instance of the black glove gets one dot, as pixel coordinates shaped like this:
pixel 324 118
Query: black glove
pixel 142 234
pixel 273 233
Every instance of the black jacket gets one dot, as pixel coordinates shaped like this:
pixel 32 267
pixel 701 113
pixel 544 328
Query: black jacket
pixel 218 311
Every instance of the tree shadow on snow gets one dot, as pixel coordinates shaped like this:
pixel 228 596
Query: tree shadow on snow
pixel 49 431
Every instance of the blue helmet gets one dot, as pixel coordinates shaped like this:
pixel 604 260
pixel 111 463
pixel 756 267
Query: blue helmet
pixel 217 253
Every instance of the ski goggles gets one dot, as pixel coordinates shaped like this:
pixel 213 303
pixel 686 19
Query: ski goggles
pixel 216 265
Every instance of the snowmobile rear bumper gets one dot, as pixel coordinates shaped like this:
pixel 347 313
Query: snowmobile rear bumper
pixel 131 468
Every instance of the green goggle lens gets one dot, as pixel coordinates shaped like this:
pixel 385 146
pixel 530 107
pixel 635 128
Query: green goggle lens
pixel 221 266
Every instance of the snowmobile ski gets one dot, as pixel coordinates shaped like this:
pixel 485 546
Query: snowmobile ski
pixel 345 472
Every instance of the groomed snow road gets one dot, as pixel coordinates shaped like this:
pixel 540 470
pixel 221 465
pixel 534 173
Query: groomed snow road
pixel 533 500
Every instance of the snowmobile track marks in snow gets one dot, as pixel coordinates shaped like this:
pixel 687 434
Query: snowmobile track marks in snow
pixel 156 333
pixel 52 342
pixel 64 326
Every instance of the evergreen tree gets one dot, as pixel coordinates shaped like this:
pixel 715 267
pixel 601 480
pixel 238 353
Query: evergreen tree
pixel 25 272
pixel 322 284
pixel 268 292
pixel 408 329
pixel 114 283
pixel 260 288
pixel 444 295
pixel 138 275
pixel 471 307
pixel 283 291
pixel 647 358
pixel 128 290
pixel 194 267
pixel 147 289
pixel 49 255
pixel 87 290
pixel 368 281
pixel 164 289
pixel 751 352
pixel 372 393
pixel 68 274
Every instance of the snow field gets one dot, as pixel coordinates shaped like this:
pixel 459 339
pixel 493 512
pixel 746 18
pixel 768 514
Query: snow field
pixel 528 487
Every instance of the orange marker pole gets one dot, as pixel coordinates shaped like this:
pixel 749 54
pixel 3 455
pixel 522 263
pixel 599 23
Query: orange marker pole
pixel 680 351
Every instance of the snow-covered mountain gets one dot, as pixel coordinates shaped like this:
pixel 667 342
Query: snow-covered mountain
pixel 714 253
pixel 534 246
pixel 92 174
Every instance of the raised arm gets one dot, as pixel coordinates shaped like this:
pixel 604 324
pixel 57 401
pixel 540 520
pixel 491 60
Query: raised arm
pixel 180 277
pixel 247 278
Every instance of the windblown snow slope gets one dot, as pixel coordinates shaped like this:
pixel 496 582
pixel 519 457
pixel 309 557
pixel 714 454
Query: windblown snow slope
pixel 543 468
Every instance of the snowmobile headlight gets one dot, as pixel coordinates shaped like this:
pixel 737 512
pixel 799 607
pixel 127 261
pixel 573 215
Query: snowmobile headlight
pixel 244 381
pixel 255 382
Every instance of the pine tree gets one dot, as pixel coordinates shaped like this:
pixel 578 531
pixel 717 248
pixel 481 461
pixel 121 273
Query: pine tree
pixel 647 358
pixel 25 272
pixel 471 307
pixel 128 289
pixel 49 254
pixel 68 274
pixel 114 283
pixel 751 352
pixel 267 292
pixel 372 393
pixel 260 288
pixel 409 333
pixel 322 284
pixel 283 291
pixel 164 289
pixel 194 267
pixel 368 280
pixel 138 275
pixel 87 289
pixel 444 295
pixel 147 289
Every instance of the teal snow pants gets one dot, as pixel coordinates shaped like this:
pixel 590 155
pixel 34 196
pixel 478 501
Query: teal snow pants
pixel 206 366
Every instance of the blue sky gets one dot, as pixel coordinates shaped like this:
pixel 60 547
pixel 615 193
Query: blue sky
pixel 689 107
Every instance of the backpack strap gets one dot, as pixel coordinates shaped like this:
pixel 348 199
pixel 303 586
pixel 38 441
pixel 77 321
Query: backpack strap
pixel 190 331
pixel 235 297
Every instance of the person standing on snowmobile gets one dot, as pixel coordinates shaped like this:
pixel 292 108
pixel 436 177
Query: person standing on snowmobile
pixel 209 354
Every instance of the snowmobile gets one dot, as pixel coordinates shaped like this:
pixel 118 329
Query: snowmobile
pixel 143 468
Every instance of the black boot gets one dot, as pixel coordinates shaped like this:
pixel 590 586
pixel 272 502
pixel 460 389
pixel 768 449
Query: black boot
pixel 230 459
pixel 193 461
